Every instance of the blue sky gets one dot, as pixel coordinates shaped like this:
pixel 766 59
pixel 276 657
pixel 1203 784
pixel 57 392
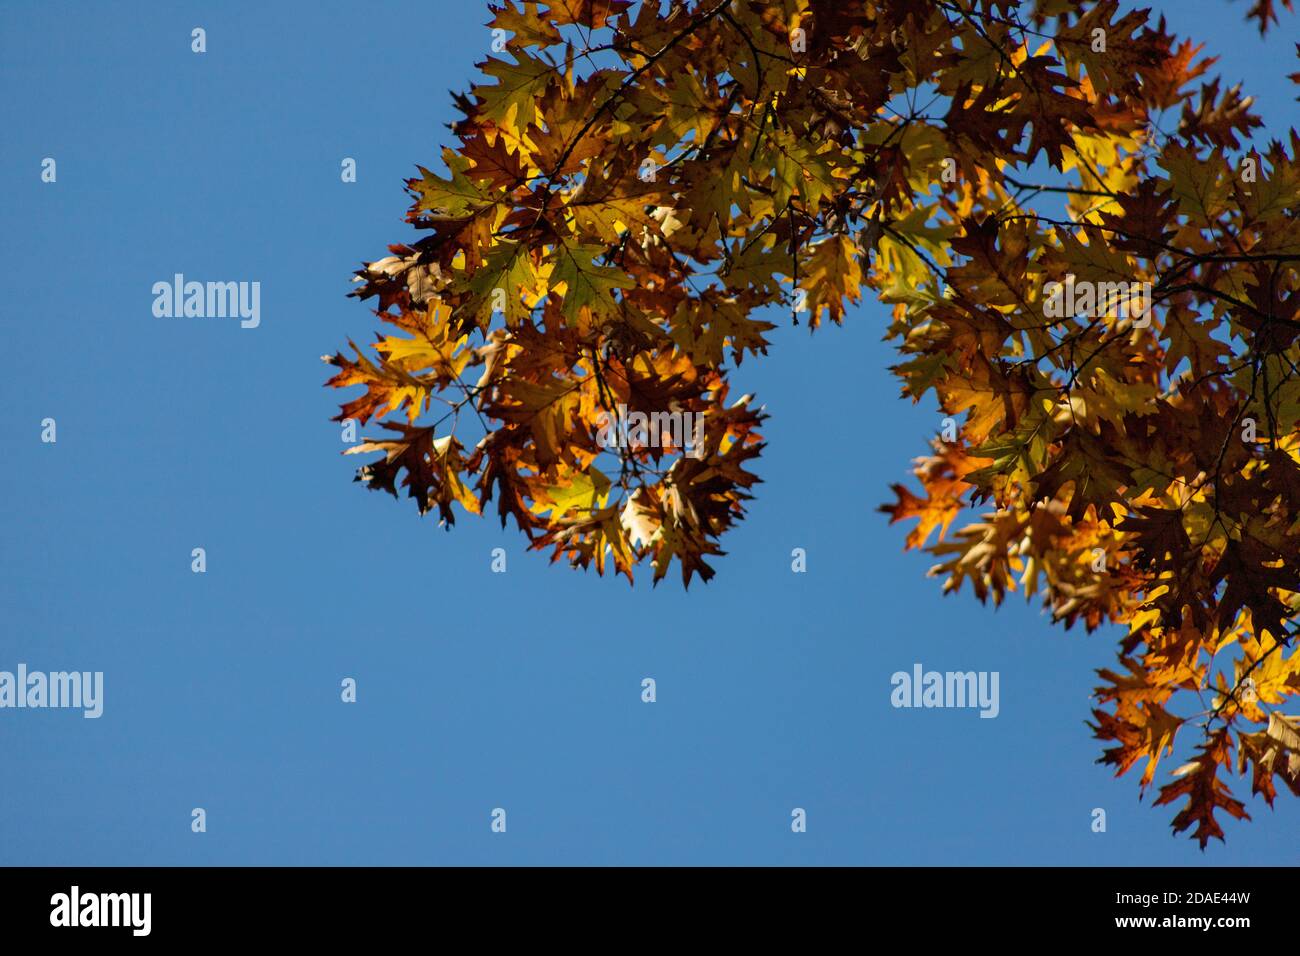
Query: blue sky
pixel 475 690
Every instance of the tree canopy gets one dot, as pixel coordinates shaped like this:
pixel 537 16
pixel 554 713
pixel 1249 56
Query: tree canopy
pixel 1090 257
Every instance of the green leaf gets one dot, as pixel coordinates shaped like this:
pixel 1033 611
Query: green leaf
pixel 507 267
pixel 586 284
pixel 453 198
pixel 512 100
pixel 588 490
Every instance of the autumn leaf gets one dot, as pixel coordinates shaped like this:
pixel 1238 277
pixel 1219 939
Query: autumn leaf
pixel 1087 254
pixel 1206 794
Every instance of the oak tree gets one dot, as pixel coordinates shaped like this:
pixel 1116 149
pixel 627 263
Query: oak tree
pixel 1090 258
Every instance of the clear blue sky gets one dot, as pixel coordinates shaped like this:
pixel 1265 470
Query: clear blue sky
pixel 476 690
